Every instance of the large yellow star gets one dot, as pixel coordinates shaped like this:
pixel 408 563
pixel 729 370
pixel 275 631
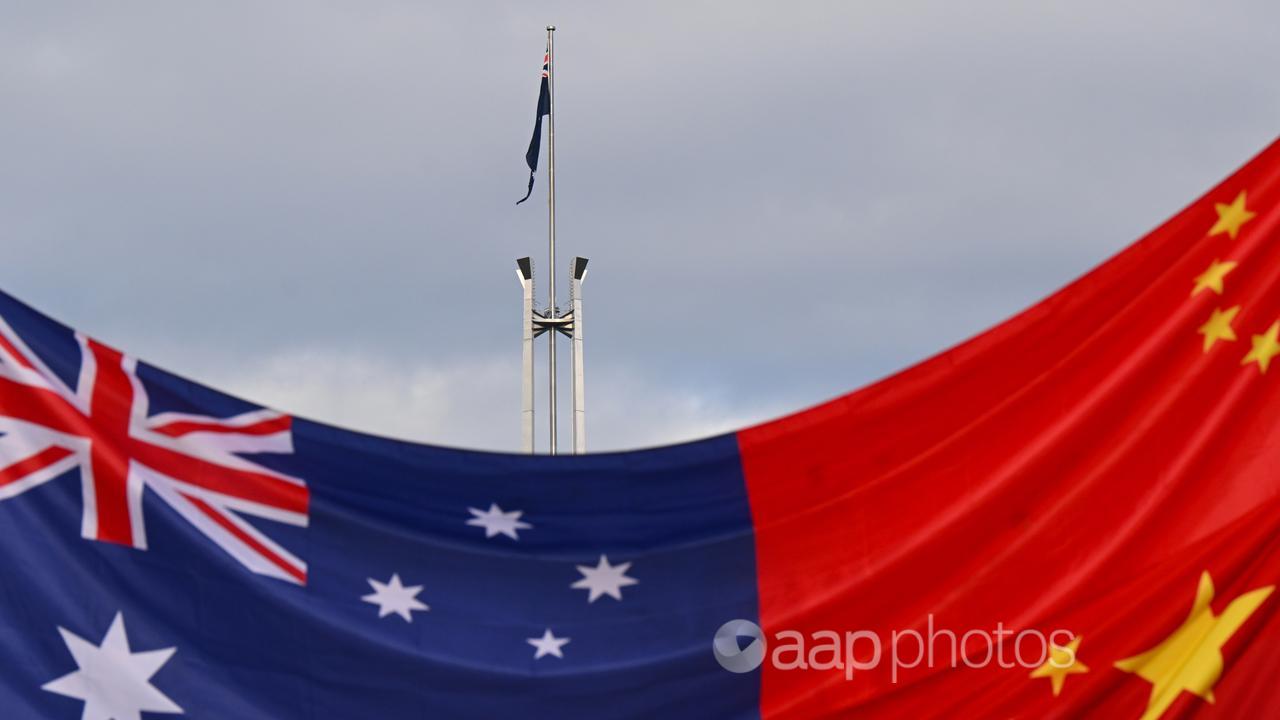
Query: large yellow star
pixel 1231 217
pixel 1219 327
pixel 1265 347
pixel 1211 279
pixel 1191 658
pixel 1062 661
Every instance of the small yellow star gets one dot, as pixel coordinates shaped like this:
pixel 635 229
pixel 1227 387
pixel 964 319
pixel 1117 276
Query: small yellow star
pixel 1265 347
pixel 1231 217
pixel 1063 661
pixel 1191 657
pixel 1219 327
pixel 1211 279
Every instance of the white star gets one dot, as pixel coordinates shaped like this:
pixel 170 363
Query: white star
pixel 496 522
pixel 548 644
pixel 113 681
pixel 604 579
pixel 392 597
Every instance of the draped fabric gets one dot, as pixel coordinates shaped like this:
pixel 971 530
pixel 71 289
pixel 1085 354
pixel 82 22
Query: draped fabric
pixel 1081 467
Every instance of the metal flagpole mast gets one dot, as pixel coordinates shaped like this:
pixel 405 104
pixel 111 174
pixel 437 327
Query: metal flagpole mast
pixel 551 321
pixel 551 228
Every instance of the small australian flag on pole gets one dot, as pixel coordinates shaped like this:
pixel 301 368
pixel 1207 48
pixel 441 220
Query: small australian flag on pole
pixel 544 108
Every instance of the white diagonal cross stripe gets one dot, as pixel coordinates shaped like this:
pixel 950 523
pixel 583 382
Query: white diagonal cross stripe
pixel 102 427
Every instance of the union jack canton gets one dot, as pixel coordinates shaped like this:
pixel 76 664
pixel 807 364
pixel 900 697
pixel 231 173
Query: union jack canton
pixel 103 428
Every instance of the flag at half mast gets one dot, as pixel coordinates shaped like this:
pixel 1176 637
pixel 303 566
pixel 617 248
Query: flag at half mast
pixel 544 108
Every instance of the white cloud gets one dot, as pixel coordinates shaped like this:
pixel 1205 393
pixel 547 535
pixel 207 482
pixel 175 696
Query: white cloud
pixel 473 402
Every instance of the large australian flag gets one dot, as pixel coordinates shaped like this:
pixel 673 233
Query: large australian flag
pixel 173 551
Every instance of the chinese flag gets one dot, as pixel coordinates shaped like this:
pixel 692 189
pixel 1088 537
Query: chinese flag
pixel 1105 465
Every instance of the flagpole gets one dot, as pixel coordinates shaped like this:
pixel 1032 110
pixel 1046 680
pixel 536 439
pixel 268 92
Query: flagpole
pixel 551 226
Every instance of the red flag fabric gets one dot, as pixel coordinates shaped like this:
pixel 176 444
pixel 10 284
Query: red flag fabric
pixel 1104 466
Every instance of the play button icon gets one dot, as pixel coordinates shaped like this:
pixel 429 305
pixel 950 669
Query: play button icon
pixel 739 646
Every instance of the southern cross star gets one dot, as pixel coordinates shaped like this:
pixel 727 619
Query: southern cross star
pixel 604 579
pixel 548 644
pixel 496 522
pixel 392 597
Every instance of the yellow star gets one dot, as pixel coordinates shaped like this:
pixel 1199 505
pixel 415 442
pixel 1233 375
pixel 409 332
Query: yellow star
pixel 1211 279
pixel 1063 661
pixel 1191 658
pixel 1231 217
pixel 1219 327
pixel 1265 347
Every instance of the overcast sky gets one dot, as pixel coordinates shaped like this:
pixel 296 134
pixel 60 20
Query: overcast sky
pixel 311 204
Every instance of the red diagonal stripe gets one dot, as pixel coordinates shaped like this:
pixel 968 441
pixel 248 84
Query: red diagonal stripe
pixel 41 407
pixel 12 350
pixel 33 463
pixel 178 428
pixel 247 539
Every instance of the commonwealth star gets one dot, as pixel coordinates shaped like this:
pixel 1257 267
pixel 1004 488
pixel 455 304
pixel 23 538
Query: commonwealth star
pixel 112 679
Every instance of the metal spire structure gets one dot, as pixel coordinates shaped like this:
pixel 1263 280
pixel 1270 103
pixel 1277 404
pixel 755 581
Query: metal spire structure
pixel 536 323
